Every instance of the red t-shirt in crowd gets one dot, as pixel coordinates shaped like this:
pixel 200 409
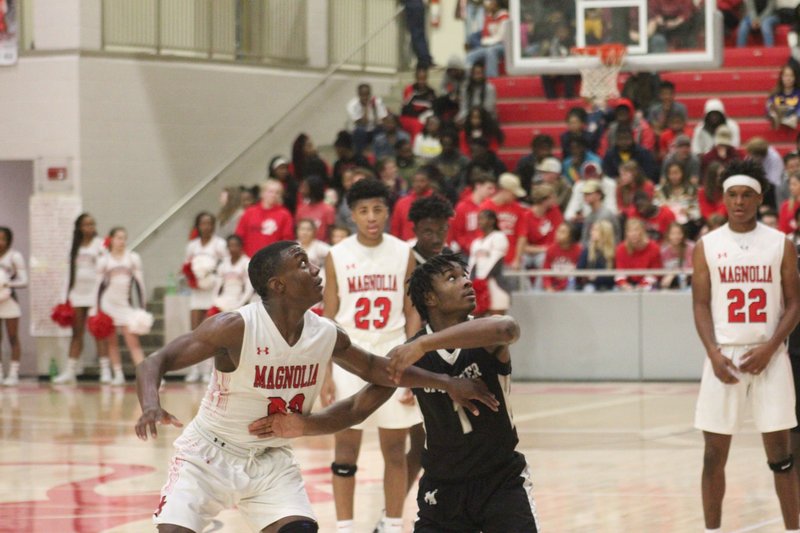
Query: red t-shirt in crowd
pixel 323 215
pixel 511 219
pixel 557 258
pixel 401 227
pixel 261 227
pixel 464 227
pixel 647 257
pixel 656 225
pixel 541 231
pixel 786 222
pixel 709 208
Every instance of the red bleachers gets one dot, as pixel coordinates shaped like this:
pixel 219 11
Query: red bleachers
pixel 743 83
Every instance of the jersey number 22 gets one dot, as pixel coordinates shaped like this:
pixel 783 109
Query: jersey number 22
pixel 755 302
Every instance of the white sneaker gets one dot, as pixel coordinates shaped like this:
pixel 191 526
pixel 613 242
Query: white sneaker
pixel 193 376
pixel 11 381
pixel 105 375
pixel 67 377
pixel 119 379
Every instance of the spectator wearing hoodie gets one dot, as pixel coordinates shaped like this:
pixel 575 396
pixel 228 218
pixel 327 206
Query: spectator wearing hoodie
pixel 625 150
pixel 759 150
pixel 625 116
pixel 713 117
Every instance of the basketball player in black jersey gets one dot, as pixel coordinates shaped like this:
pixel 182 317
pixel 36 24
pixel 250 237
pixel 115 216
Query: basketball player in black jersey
pixel 474 478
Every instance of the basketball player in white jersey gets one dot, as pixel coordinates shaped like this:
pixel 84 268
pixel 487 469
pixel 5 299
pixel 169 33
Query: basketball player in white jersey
pixel 365 293
pixel 269 357
pixel 746 302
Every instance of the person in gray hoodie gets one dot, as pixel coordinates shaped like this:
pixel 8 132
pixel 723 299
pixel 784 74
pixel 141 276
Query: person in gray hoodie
pixel 713 117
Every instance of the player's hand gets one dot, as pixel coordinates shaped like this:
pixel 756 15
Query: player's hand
pixel 756 360
pixel 285 425
pixel 724 368
pixel 463 390
pixel 407 397
pixel 327 394
pixel 402 357
pixel 151 418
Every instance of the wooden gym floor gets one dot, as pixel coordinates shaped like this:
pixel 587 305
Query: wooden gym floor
pixel 606 457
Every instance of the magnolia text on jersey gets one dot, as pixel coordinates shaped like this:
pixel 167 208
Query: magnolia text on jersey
pixel 285 377
pixel 745 274
pixel 372 282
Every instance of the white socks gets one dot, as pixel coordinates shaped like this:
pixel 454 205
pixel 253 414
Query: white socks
pixel 392 525
pixel 344 526
pixel 718 530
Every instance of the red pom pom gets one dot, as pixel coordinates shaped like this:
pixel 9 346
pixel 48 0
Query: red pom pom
pixel 188 273
pixel 482 301
pixel 101 326
pixel 213 311
pixel 193 234
pixel 107 243
pixel 317 310
pixel 63 315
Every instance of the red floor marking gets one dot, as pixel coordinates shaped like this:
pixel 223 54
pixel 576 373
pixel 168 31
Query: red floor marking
pixel 77 506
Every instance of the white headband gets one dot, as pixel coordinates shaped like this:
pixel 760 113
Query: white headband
pixel 741 179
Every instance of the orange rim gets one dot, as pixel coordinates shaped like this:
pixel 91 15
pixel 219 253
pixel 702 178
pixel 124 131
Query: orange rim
pixel 609 54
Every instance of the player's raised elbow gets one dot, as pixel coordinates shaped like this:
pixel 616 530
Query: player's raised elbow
pixel 507 329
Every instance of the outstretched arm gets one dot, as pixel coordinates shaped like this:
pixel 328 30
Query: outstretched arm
pixel 219 335
pixel 355 409
pixel 374 369
pixel 336 417
pixel 495 333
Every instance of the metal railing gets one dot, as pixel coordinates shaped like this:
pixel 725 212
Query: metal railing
pixel 242 30
pixel 211 178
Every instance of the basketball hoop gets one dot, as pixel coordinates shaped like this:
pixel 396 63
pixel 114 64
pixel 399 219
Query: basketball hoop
pixel 599 80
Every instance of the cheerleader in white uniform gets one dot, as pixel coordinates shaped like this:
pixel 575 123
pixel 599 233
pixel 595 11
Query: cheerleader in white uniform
pixel 13 275
pixel 84 256
pixel 120 271
pixel 486 258
pixel 233 288
pixel 204 254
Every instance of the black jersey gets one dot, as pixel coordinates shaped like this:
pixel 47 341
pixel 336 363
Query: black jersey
pixel 459 445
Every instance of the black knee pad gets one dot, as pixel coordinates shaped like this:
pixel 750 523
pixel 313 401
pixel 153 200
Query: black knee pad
pixel 300 526
pixel 343 469
pixel 782 467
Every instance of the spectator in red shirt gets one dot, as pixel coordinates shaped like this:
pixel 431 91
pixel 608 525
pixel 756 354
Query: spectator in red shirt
pixel 656 218
pixel 637 252
pixel 267 222
pixel 541 222
pixel 562 256
pixel 315 208
pixel 510 214
pixel 786 218
pixel 709 196
pixel 421 186
pixel 464 229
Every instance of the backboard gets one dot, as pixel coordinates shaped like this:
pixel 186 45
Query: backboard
pixel 659 35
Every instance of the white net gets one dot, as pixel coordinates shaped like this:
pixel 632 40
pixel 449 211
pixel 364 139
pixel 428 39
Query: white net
pixel 599 82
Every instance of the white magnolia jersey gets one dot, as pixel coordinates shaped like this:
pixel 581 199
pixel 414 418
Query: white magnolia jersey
pixel 271 377
pixel 371 283
pixel 746 294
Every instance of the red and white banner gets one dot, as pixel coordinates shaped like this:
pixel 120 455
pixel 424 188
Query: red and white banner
pixel 9 30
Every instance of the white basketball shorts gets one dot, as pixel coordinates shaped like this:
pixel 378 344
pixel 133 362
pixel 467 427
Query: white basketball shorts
pixel 770 395
pixel 392 414
pixel 207 476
